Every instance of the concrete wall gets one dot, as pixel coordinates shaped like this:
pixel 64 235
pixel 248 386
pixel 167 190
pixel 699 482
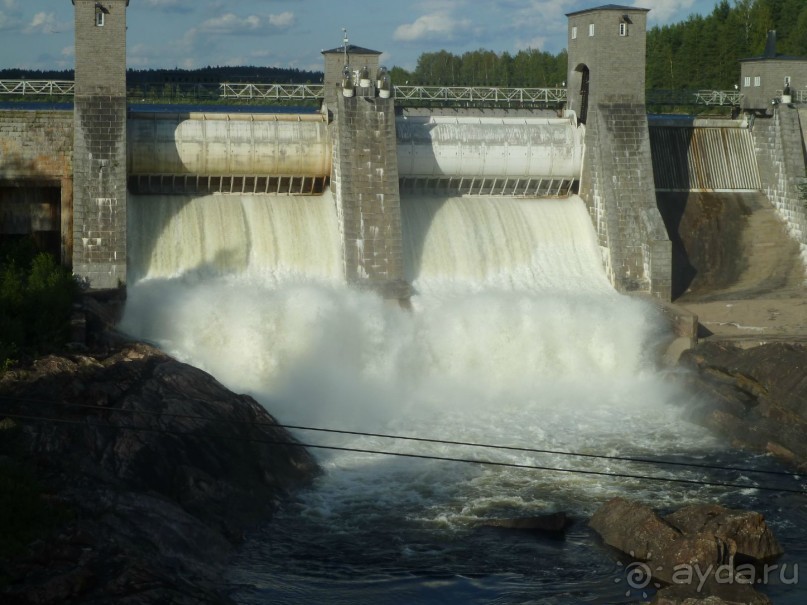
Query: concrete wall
pixel 99 161
pixel 36 145
pixel 780 152
pixel 771 74
pixel 365 185
pixel 618 187
pixel 36 157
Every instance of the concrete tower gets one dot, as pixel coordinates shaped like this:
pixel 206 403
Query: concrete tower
pixel 99 153
pixel 607 48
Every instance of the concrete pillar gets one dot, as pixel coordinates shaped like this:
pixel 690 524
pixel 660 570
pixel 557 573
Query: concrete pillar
pixel 607 48
pixel 365 185
pixel 99 152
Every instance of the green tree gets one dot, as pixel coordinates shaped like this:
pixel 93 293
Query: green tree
pixel 36 298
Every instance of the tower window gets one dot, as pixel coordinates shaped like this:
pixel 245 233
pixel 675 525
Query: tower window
pixel 757 81
pixel 623 29
pixel 590 29
pixel 100 15
pixel 574 33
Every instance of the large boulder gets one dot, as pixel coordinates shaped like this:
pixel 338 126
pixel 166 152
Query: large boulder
pixel 755 397
pixel 162 468
pixel 752 537
pixel 693 549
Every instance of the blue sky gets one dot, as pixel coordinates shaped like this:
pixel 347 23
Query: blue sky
pixel 38 34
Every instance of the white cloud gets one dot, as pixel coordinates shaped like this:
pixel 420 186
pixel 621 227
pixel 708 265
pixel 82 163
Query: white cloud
pixel 433 26
pixel 665 11
pixel 46 23
pixel 173 6
pixel 230 24
pixel 536 43
pixel 282 20
pixel 69 51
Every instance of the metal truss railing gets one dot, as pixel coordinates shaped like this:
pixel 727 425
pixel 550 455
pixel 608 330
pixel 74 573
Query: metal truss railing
pixel 730 98
pixel 37 87
pixel 481 94
pixel 280 92
pixel 404 95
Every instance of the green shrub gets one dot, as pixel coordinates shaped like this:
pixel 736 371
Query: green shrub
pixel 36 298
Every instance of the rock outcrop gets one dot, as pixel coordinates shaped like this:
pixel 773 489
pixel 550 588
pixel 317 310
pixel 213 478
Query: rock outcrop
pixel 161 467
pixel 700 551
pixel 755 397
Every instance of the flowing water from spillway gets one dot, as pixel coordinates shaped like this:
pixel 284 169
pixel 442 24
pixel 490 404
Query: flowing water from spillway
pixel 516 338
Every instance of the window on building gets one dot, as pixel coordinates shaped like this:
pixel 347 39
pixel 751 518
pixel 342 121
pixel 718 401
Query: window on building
pixel 574 33
pixel 757 81
pixel 623 29
pixel 747 82
pixel 99 16
pixel 590 29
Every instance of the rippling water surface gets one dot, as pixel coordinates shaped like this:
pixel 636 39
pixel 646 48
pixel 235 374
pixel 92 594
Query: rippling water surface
pixel 515 338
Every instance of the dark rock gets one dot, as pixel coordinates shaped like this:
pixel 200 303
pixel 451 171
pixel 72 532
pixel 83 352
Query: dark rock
pixel 555 523
pixel 633 528
pixel 163 468
pixel 728 594
pixel 692 549
pixel 747 530
pixel 755 397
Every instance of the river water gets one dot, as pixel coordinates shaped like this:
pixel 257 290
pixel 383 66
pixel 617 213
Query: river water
pixel 515 339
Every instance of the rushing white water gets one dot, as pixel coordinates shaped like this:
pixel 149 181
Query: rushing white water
pixel 516 338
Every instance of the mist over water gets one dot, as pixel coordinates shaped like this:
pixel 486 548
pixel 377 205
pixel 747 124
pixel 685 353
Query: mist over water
pixel 516 338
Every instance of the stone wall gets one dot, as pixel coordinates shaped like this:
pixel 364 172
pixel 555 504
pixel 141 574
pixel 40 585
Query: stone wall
pixel 36 156
pixel 99 164
pixel 618 187
pixel 780 153
pixel 36 145
pixel 365 185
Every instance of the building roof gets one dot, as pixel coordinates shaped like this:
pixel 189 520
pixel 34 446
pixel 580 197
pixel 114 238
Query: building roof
pixel 608 7
pixel 352 49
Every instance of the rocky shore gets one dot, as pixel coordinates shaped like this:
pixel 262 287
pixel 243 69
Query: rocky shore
pixel 754 397
pixel 155 468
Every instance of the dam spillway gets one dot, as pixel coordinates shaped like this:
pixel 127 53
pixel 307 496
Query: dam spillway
pixel 530 156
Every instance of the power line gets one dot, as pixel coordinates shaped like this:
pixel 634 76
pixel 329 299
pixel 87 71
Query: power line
pixel 738 469
pixel 415 456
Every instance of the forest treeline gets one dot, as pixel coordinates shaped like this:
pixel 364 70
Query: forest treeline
pixel 210 74
pixel 699 52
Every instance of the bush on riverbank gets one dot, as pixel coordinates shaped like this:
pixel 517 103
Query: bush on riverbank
pixel 36 298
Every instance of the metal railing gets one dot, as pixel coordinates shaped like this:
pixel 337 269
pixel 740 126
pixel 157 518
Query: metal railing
pixel 481 94
pixel 279 92
pixel 693 97
pixel 37 87
pixel 464 95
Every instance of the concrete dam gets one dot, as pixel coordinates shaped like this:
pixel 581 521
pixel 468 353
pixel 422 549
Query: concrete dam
pixel 76 181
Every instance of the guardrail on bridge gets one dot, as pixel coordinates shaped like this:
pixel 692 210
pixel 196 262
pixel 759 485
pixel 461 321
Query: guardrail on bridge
pixel 404 94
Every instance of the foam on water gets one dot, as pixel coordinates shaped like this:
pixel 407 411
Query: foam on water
pixel 516 339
